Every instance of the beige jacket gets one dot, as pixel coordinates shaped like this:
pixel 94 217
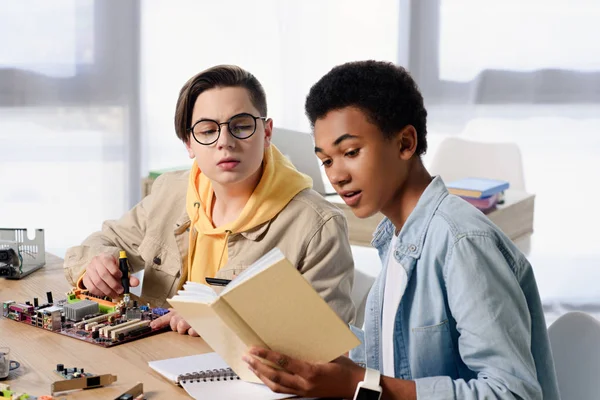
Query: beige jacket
pixel 311 232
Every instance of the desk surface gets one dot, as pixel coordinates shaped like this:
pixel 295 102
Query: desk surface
pixel 39 351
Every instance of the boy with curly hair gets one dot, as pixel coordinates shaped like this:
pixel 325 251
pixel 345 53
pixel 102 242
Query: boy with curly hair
pixel 455 311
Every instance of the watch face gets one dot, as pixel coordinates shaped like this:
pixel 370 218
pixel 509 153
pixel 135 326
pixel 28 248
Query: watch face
pixel 367 394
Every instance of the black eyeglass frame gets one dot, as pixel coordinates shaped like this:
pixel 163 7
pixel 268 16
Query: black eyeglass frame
pixel 191 130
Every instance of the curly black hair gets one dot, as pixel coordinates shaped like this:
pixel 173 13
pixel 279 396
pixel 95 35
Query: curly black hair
pixel 386 93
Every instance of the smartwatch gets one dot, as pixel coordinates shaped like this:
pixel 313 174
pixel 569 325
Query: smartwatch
pixel 369 388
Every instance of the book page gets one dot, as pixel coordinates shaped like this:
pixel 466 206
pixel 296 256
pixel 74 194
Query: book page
pixel 197 292
pixel 195 287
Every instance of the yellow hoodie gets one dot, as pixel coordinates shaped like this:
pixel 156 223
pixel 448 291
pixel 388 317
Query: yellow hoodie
pixel 279 183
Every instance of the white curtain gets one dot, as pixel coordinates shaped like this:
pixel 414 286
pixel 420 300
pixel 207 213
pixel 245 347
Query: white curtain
pixel 68 115
pixel 288 45
pixel 526 72
pixel 88 90
pixel 498 52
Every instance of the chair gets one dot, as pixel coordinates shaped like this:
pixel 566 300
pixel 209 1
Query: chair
pixel 575 342
pixel 366 267
pixel 458 158
pixel 360 290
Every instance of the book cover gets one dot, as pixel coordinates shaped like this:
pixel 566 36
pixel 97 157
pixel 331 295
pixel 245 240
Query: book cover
pixel 477 187
pixel 484 204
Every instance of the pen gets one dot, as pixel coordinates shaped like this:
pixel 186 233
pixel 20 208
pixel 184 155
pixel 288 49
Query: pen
pixel 217 281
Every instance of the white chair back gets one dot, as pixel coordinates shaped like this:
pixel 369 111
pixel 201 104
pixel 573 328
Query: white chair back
pixel 575 342
pixel 458 158
pixel 360 290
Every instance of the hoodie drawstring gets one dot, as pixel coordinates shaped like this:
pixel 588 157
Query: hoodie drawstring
pixel 192 240
pixel 227 233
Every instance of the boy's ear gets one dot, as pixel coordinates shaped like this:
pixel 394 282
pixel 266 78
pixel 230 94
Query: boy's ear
pixel 268 132
pixel 189 150
pixel 406 141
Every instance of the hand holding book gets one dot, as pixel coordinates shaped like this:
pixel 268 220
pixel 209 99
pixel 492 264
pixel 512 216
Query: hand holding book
pixel 269 305
pixel 336 379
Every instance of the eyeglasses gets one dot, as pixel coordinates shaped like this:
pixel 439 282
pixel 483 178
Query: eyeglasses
pixel 208 131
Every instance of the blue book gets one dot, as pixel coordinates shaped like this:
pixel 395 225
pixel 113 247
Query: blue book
pixel 477 188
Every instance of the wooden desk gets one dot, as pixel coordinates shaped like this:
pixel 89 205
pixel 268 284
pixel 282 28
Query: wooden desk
pixel 514 217
pixel 39 351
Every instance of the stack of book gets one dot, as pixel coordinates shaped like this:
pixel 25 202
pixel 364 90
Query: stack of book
pixel 483 193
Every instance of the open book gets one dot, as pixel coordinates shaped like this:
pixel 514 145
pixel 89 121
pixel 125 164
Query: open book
pixel 270 305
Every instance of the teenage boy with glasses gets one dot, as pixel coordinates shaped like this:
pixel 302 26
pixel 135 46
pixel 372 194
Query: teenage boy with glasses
pixel 240 199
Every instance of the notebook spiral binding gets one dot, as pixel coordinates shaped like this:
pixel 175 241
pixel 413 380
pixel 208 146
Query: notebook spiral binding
pixel 223 374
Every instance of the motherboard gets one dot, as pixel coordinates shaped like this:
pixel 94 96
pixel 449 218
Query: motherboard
pixel 83 316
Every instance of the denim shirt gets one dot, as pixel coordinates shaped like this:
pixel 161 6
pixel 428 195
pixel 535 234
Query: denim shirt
pixel 470 324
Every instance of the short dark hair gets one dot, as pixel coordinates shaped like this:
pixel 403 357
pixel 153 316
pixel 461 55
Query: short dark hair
pixel 219 76
pixel 386 93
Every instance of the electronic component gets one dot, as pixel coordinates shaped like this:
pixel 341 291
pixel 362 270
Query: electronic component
pixel 9 262
pixel 128 327
pixel 133 313
pixel 50 318
pixel 106 305
pixel 99 319
pixel 74 378
pixel 70 373
pixel 159 311
pixel 76 311
pixel 19 255
pixel 5 307
pixel 135 393
pixel 105 323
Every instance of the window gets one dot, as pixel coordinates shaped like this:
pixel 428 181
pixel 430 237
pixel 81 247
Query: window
pixel 68 115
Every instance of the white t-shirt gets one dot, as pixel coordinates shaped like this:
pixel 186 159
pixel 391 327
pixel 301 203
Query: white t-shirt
pixel 395 285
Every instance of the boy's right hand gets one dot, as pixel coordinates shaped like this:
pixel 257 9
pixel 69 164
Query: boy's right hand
pixel 103 277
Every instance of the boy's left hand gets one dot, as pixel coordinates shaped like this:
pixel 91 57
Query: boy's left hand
pixel 176 322
pixel 338 378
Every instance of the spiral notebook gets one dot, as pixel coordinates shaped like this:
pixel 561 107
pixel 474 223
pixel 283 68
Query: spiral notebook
pixel 207 376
